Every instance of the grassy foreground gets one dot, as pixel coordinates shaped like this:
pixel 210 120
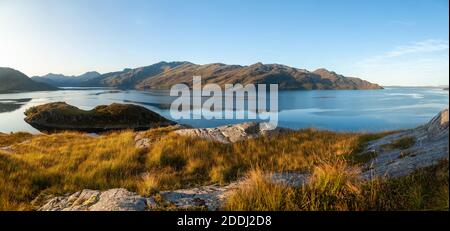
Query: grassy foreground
pixel 335 188
pixel 67 162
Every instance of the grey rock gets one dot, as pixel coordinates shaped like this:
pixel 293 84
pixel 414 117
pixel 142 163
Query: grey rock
pixel 151 203
pixel 141 142
pixel 232 133
pixel 93 200
pixel 211 197
pixel 6 149
pixel 119 200
pixel 431 146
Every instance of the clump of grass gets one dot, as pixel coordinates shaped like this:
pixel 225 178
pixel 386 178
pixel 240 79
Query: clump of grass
pixel 332 186
pixel 362 158
pixel 406 153
pixel 425 189
pixel 364 139
pixel 258 194
pixel 401 143
pixel 13 138
pixel 359 155
pixel 149 185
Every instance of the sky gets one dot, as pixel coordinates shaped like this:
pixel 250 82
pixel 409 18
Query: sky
pixel 390 42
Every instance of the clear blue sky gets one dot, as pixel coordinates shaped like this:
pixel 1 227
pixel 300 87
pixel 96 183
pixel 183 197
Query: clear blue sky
pixel 391 42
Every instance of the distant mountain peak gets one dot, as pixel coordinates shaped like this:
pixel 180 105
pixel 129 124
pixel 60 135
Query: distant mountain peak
pixel 89 75
pixel 92 72
pixel 258 64
pixel 324 70
pixel 49 75
pixel 327 74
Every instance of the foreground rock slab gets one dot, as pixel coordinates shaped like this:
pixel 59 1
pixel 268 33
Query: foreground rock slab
pixel 430 145
pixel 94 200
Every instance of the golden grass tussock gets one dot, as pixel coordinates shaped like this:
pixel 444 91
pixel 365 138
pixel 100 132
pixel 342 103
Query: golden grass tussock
pixel 259 194
pixel 13 138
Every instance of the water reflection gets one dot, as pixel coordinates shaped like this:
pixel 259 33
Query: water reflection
pixel 8 105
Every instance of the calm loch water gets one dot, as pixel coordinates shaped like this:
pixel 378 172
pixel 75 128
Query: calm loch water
pixel 341 110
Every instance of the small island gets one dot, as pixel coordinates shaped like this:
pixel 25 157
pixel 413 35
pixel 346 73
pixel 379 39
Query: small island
pixel 61 116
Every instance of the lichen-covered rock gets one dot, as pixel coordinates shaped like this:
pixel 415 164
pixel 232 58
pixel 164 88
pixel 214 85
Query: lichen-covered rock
pixel 141 142
pixel 438 126
pixel 120 200
pixel 93 200
pixel 210 197
pixel 144 139
pixel 232 133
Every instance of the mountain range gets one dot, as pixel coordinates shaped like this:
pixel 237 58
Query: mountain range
pixel 163 75
pixel 60 80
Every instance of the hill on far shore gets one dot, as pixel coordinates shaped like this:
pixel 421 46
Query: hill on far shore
pixel 15 81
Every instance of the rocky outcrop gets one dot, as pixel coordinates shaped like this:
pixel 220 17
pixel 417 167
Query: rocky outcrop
pixel 61 116
pixel 143 141
pixel 209 197
pixel 430 145
pixel 232 133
